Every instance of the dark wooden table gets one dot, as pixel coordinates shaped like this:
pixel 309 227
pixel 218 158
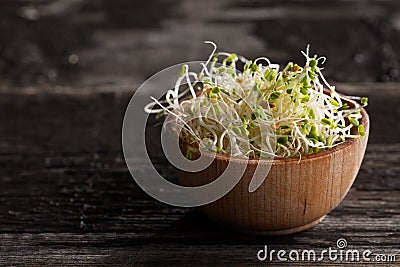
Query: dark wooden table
pixel 67 197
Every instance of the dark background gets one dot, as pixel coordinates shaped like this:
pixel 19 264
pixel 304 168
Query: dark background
pixel 117 44
pixel 67 71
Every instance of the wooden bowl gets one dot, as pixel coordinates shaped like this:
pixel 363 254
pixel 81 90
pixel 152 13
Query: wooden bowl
pixel 294 196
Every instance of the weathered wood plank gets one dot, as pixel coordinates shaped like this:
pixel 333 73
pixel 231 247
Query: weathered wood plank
pixel 67 198
pixel 120 43
pixel 92 122
pixel 96 197
pixel 127 248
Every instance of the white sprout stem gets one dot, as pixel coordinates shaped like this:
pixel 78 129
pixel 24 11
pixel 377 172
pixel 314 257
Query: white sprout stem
pixel 261 111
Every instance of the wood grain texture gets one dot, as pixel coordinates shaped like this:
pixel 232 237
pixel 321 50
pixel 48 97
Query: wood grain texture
pixel 294 196
pixel 67 198
pixel 120 43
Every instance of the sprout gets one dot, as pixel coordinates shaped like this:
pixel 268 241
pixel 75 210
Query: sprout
pixel 345 106
pixel 326 121
pixel 364 100
pixel 353 121
pixel 262 111
pixel 361 130
pixel 283 140
pixel 182 70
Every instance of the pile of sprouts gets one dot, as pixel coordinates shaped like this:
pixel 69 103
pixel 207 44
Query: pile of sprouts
pixel 260 111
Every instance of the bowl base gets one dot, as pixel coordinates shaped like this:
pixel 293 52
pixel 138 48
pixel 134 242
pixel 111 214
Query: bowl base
pixel 272 232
